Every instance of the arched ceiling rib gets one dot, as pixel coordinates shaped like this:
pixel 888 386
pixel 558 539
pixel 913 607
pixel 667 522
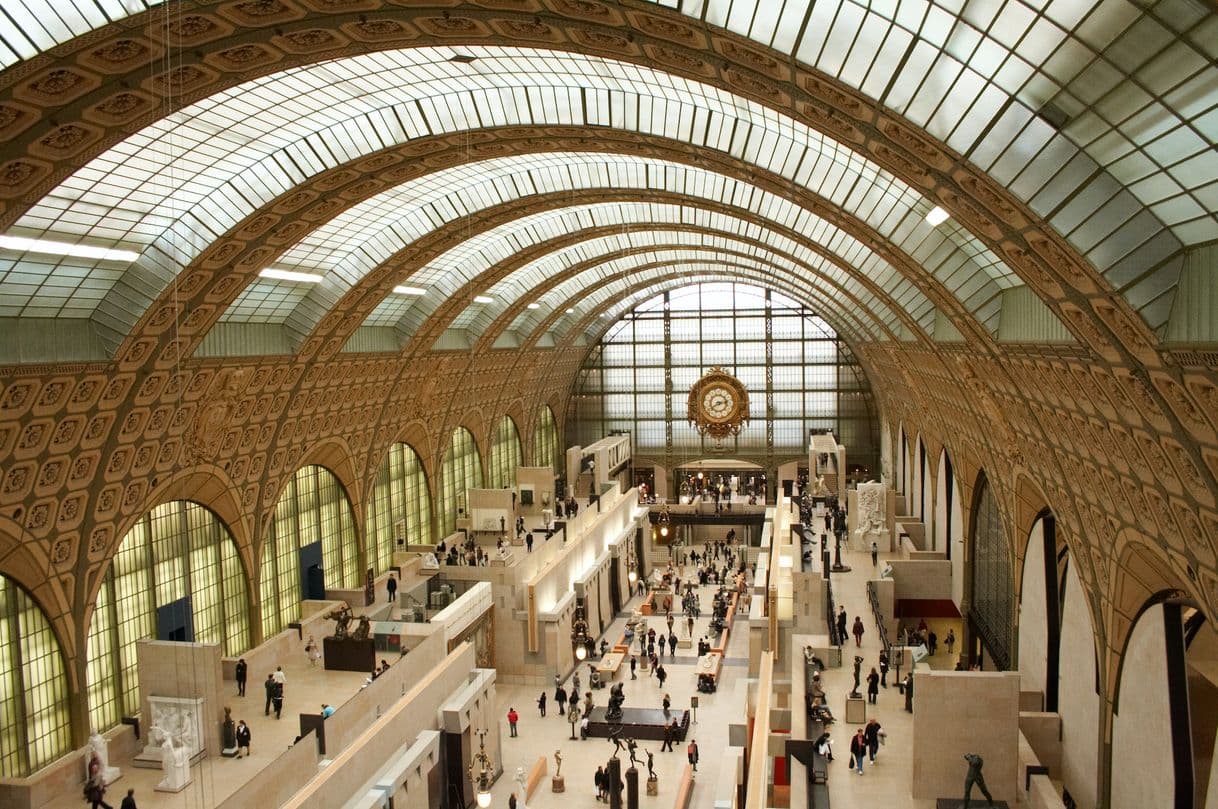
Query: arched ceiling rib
pixel 610 304
pixel 462 266
pixel 664 257
pixel 848 315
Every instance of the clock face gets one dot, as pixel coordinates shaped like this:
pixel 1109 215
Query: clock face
pixel 718 402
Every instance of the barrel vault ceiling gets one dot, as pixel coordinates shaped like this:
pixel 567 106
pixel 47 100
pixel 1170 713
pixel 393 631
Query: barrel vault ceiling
pixel 310 184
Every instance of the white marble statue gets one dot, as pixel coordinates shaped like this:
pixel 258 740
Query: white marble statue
pixel 175 760
pixel 522 788
pixel 98 748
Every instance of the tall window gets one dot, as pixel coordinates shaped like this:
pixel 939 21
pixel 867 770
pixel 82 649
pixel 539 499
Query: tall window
pixel 504 459
pixel 179 550
pixel 34 722
pixel 312 507
pixel 400 505
pixel 462 470
pixel 993 585
pixel 545 439
pixel 799 376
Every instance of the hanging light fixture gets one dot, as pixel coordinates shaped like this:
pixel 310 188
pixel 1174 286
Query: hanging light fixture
pixel 579 635
pixel 664 520
pixel 482 779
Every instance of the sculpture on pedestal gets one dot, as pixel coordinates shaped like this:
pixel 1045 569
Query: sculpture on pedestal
pixel 364 630
pixel 342 620
pixel 97 761
pixel 616 698
pixel 858 664
pixel 175 760
pixel 632 747
pixel 974 776
pixel 229 734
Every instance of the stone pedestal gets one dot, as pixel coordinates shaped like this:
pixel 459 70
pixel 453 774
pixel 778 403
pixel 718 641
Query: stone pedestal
pixel 856 711
pixel 685 644
pixel 558 784
pixel 632 788
pixel 653 786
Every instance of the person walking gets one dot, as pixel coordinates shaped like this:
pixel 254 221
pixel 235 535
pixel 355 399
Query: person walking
pixel 241 673
pixel 541 703
pixel 282 678
pixel 841 626
pixel 672 646
pixel 277 699
pixel 858 749
pixel 243 738
pixel 666 704
pixel 873 733
pixel 907 687
pixel 932 642
pixel 875 554
pixel 391 587
pixel 668 739
pixel 661 675
pixel 512 801
pixel 129 801
pixel 560 696
pixel 575 689
pixel 858 630
pixel 269 686
pixel 873 686
pixel 528 542
pixel 634 664
pixel 691 751
pixel 95 792
pixel 950 641
pixel 513 718
pixel 663 643
pixel 884 669
pixel 598 780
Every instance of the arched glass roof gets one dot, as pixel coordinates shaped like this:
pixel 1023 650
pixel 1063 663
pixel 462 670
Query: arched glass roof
pixel 172 189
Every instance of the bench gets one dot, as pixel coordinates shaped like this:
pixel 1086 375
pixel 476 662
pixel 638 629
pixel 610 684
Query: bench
pixel 536 772
pixel 685 789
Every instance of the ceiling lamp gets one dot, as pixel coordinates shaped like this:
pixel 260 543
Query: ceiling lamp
pixel 65 249
pixel 290 275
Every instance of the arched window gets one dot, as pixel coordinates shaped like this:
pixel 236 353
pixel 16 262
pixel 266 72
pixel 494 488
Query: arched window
pixel 993 586
pixel 177 576
pixel 400 506
pixel 35 726
pixel 313 508
pixel 462 469
pixel 505 455
pixel 545 439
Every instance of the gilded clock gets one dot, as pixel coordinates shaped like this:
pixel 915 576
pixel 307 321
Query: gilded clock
pixel 718 404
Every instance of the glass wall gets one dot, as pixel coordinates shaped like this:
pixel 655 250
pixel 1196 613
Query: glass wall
pixel 545 439
pixel 461 470
pixel 400 506
pixel 312 507
pixel 505 458
pixel 34 722
pixel 179 550
pixel 992 613
pixel 794 366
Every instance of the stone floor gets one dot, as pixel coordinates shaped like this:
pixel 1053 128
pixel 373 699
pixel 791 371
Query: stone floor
pixel 887 783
